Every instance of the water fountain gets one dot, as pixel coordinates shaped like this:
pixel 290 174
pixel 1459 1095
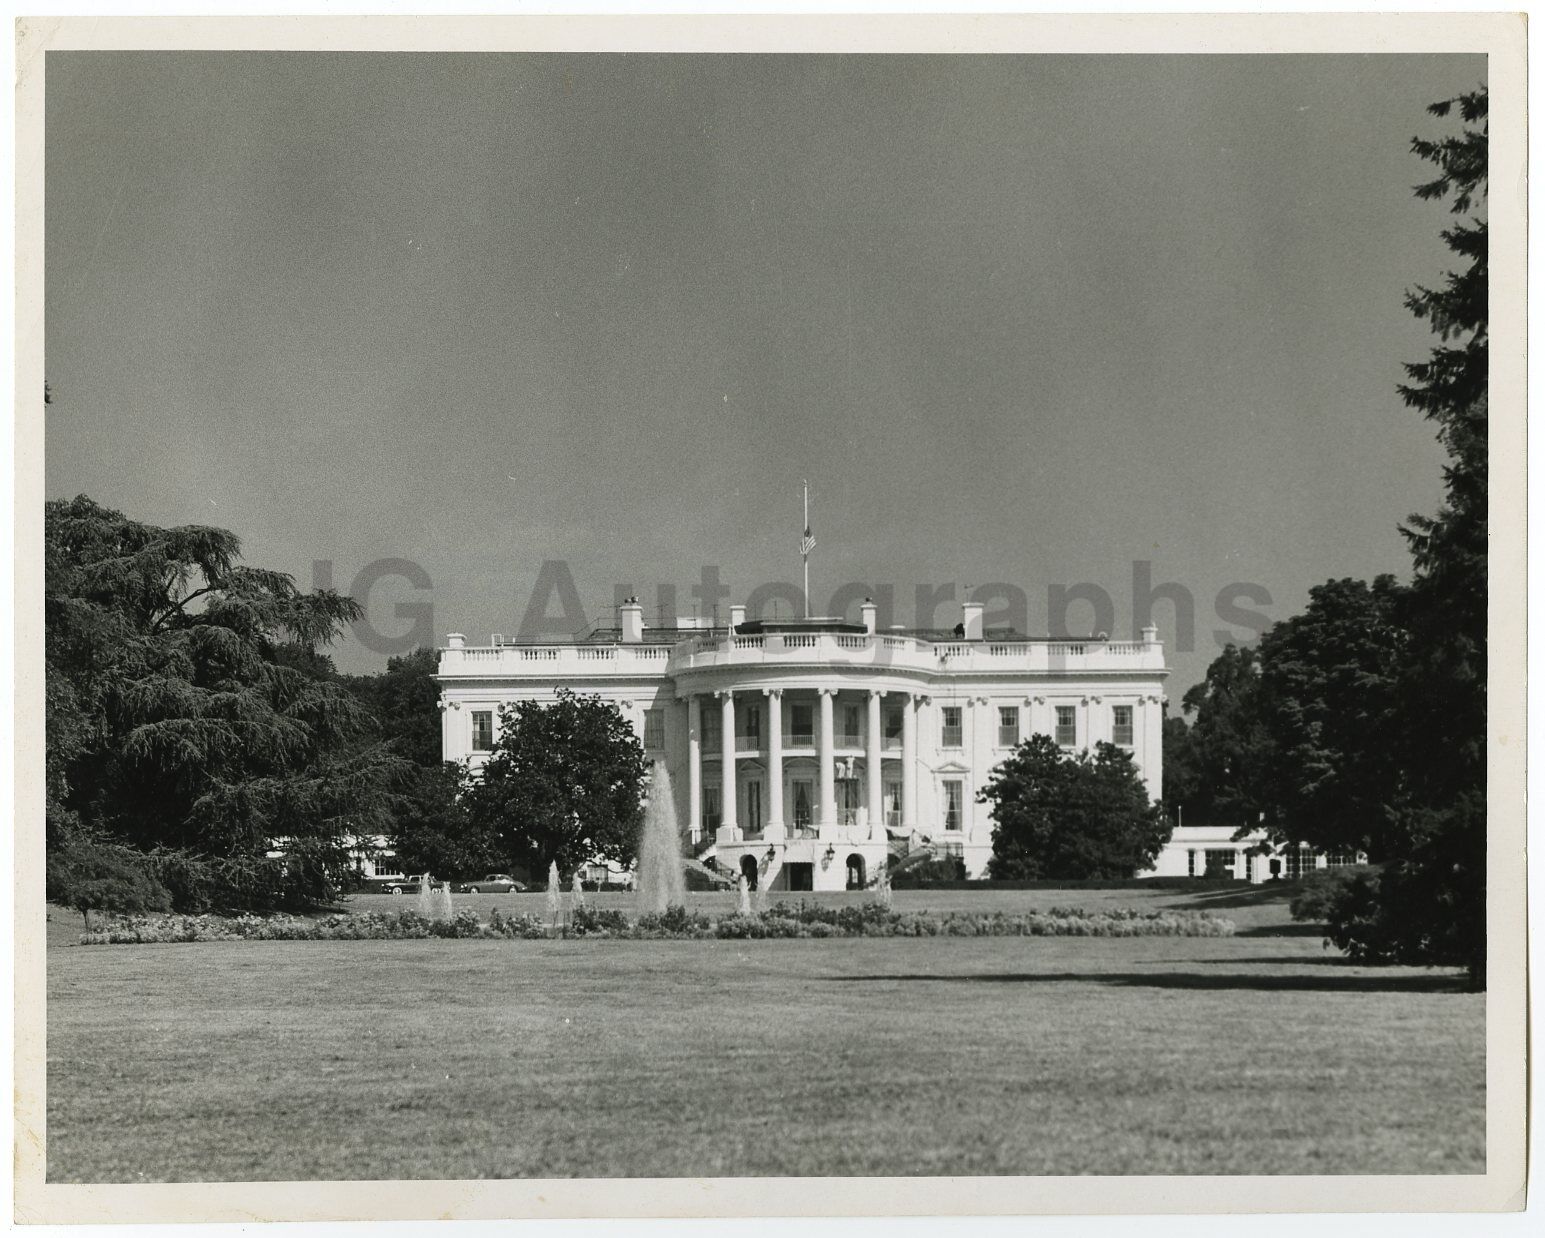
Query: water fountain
pixel 882 887
pixel 426 897
pixel 745 896
pixel 577 892
pixel 660 882
pixel 554 894
pixel 442 902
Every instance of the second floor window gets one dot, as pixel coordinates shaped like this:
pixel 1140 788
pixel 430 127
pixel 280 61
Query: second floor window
pixel 1067 730
pixel 1008 726
pixel 893 726
pixel 482 730
pixel 1121 725
pixel 711 730
pixel 751 727
pixel 801 725
pixel 654 728
pixel 850 731
pixel 950 736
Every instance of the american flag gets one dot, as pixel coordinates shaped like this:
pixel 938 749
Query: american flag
pixel 807 543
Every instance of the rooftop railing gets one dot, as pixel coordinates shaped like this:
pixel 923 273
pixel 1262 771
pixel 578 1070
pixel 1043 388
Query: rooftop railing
pixel 828 649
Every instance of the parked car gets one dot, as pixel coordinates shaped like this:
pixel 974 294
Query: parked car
pixel 395 885
pixel 494 883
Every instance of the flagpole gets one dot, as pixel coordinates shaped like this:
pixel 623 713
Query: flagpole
pixel 806 554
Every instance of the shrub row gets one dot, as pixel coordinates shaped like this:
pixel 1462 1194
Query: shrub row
pixel 677 923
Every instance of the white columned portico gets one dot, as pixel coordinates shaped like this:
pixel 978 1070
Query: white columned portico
pixel 727 753
pixel 775 830
pixel 872 766
pixel 828 809
pixel 695 765
pixel 908 763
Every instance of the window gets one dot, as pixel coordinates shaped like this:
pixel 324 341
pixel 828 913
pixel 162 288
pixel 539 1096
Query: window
pixel 710 730
pixel 1301 861
pixel 482 730
pixel 954 802
pixel 893 726
pixel 802 792
pixel 1067 730
pixel 654 728
pixel 802 725
pixel 893 805
pixel 850 729
pixel 1341 859
pixel 1121 725
pixel 1190 863
pixel 950 714
pixel 1008 726
pixel 1220 861
pixel 710 809
pixel 753 822
pixel 751 727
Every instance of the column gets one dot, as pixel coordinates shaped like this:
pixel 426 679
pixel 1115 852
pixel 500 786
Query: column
pixel 908 762
pixel 828 808
pixel 695 765
pixel 727 746
pixel 872 767
pixel 775 831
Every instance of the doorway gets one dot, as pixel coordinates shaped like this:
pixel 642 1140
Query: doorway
pixel 800 876
pixel 748 870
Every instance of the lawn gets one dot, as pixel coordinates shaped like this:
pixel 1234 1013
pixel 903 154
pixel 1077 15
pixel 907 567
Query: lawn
pixel 1261 1053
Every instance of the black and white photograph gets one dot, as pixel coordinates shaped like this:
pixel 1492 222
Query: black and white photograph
pixel 833 608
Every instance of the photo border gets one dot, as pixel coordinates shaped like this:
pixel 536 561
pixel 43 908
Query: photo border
pixel 1501 37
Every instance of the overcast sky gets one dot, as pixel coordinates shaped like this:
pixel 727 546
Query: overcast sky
pixel 1021 319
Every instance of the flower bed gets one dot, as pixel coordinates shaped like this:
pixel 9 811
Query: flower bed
pixel 871 919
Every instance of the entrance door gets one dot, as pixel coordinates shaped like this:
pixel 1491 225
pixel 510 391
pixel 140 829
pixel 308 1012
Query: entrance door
pixel 800 876
pixel 748 870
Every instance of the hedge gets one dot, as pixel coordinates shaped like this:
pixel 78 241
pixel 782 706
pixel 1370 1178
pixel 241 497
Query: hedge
pixel 872 919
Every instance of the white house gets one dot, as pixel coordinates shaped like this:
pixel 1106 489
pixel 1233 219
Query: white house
pixel 803 751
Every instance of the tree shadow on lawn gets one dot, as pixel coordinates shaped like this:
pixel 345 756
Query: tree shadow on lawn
pixel 1375 983
pixel 1243 896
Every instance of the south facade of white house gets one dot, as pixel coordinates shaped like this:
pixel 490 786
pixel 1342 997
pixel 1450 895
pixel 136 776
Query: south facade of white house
pixel 807 753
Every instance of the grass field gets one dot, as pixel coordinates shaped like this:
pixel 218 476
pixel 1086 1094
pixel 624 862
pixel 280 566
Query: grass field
pixel 1261 1053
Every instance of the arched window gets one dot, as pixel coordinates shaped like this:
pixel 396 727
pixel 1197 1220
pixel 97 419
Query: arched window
pixel 855 872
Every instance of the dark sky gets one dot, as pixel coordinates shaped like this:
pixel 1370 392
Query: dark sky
pixel 1023 319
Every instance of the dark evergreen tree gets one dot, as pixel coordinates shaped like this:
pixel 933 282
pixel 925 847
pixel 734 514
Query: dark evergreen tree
pixel 189 720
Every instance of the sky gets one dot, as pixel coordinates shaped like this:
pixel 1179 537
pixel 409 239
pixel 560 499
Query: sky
pixel 1016 319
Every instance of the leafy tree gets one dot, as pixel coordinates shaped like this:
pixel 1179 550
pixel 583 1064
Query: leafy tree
pixel 1328 704
pixel 429 830
pixel 1075 817
pixel 1182 774
pixel 90 875
pixel 186 712
pixel 1230 748
pixel 564 783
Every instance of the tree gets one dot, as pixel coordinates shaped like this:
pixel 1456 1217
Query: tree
pixel 429 830
pixel 1231 751
pixel 1328 705
pixel 1074 817
pixel 564 783
pixel 188 719
pixel 1428 903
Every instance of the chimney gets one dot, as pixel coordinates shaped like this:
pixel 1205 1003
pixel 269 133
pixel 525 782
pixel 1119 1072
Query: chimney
pixel 971 618
pixel 455 641
pixel 1151 634
pixel 737 616
pixel 869 611
pixel 632 621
